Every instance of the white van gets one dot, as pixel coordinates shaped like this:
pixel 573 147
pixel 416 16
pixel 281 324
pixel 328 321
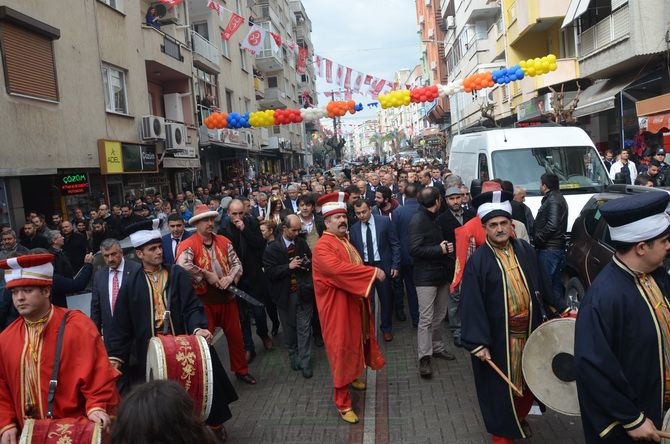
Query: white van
pixel 522 155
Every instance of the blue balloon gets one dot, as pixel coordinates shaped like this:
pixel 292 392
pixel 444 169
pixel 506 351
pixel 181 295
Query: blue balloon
pixel 520 74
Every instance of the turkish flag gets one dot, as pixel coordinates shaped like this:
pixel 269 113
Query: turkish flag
pixel 253 42
pixel 277 38
pixel 233 25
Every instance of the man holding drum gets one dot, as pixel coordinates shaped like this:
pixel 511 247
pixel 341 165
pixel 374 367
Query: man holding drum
pixel 31 349
pixel 622 336
pixel 504 293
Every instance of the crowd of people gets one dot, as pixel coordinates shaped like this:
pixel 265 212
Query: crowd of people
pixel 401 240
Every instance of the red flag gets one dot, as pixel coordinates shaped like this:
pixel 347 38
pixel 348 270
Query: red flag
pixel 233 25
pixel 368 79
pixel 214 6
pixel 329 71
pixel 347 95
pixel 407 86
pixel 302 60
pixel 339 76
pixel 378 87
pixel 358 82
pixel 347 79
pixel 277 38
pixel 317 64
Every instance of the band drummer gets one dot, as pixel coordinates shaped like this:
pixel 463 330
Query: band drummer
pixel 159 299
pixel 622 337
pixel 504 295
pixel 86 382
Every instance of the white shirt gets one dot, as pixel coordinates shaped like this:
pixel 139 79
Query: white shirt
pixel 618 166
pixel 294 204
pixel 111 276
pixel 364 232
pixel 174 244
pixel 307 226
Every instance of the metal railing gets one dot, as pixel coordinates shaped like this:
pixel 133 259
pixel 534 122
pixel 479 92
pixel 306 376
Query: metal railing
pixel 611 28
pixel 205 48
pixel 171 47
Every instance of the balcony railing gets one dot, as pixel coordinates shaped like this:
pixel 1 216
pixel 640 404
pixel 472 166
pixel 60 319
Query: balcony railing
pixel 172 48
pixel 205 48
pixel 613 27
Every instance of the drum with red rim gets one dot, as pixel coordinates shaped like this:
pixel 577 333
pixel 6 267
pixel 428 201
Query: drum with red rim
pixel 186 360
pixel 59 431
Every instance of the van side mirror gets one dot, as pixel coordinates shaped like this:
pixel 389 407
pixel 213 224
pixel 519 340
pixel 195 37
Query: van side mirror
pixel 621 178
pixel 475 187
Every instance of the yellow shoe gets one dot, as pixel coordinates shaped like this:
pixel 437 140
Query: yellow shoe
pixel 358 385
pixel 349 416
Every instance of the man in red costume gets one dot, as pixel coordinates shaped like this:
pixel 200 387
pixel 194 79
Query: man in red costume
pixel 86 385
pixel 342 285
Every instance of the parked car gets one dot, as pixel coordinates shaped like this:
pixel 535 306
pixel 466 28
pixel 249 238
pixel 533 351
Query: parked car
pixel 590 247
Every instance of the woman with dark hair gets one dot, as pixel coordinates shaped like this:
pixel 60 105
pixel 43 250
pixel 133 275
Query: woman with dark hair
pixel 152 18
pixel 276 211
pixel 159 412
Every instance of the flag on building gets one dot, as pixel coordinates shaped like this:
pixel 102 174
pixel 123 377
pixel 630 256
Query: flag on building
pixel 233 25
pixel 253 42
pixel 277 38
pixel 302 60
pixel 211 4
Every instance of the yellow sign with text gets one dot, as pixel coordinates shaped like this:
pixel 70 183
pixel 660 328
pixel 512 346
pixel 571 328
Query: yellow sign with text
pixel 111 157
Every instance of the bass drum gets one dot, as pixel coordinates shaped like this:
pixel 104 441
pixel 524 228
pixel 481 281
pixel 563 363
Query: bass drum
pixel 58 431
pixel 186 360
pixel 548 365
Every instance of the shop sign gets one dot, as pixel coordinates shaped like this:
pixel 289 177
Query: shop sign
pixel 230 137
pixel 71 184
pixel 126 158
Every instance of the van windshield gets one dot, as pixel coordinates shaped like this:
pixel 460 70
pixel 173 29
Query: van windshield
pixel 579 168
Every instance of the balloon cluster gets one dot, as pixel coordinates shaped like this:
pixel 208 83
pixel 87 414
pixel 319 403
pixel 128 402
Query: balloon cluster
pixel 478 81
pixel 538 66
pixel 506 75
pixel 216 121
pixel 394 99
pixel 262 118
pixel 424 94
pixel 237 121
pixel 286 116
pixel 312 114
pixel 450 88
pixel 338 109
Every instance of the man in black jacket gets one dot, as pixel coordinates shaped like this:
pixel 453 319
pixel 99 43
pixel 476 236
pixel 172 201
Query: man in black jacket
pixel 430 252
pixel 551 224
pixel 75 245
pixel 245 234
pixel 287 262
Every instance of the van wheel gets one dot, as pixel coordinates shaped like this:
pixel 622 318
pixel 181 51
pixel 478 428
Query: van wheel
pixel 574 292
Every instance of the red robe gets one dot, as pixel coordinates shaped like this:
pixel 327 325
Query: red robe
pixel 86 379
pixel 342 286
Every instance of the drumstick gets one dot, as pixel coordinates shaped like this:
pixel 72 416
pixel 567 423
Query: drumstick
pixel 665 435
pixel 504 376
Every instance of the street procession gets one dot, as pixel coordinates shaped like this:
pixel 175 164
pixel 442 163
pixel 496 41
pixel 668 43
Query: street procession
pixel 299 221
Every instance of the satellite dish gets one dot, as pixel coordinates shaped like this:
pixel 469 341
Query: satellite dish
pixel 161 10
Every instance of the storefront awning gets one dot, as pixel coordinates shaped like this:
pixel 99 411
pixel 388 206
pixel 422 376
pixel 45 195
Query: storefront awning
pixel 601 95
pixel 576 8
pixel 655 123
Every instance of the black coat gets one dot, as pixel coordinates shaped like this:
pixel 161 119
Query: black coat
pixel 249 246
pixel 38 241
pixel 551 222
pixel 133 321
pixel 62 265
pixel 75 248
pixel 275 262
pixel 484 323
pixel 448 223
pixel 431 266
pixel 101 311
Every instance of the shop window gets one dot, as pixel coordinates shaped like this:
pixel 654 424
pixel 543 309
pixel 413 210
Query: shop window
pixel 114 81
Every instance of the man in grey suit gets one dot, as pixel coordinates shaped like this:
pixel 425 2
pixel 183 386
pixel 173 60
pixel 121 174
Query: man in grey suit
pixel 108 281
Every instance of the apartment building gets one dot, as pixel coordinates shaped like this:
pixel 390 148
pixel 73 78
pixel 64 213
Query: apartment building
pixel 74 130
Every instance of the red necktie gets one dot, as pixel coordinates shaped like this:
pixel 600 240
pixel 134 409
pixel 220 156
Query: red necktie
pixel 115 288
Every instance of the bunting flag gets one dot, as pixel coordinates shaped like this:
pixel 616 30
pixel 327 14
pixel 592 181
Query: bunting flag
pixel 368 79
pixel 358 82
pixel 233 25
pixel 211 4
pixel 339 76
pixel 348 95
pixel 317 65
pixel 293 45
pixel 347 80
pixel 378 87
pixel 277 38
pixel 302 60
pixel 253 42
pixel 329 70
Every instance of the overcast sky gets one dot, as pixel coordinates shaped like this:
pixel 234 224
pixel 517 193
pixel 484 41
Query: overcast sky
pixel 376 37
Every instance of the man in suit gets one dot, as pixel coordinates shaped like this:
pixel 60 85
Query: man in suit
pixel 401 217
pixel 108 281
pixel 454 216
pixel 291 202
pixel 400 195
pixel 259 211
pixel 377 242
pixel 371 189
pixel 170 241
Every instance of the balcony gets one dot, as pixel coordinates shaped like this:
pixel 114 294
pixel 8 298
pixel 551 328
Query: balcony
pixel 568 69
pixel 269 59
pixel 259 87
pixel 611 29
pixel 205 54
pixel 478 10
pixel 267 12
pixel 533 16
pixel 274 98
pixel 479 52
pixel 165 50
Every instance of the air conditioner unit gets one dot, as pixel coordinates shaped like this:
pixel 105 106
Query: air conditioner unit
pixel 174 109
pixel 451 23
pixel 153 127
pixel 172 15
pixel 433 65
pixel 175 136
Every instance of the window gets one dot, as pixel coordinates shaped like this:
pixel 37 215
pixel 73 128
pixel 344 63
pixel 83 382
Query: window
pixel 35 75
pixel 272 82
pixel 483 167
pixel 276 129
pixel 225 48
pixel 247 105
pixel 116 4
pixel 229 100
pixel 243 59
pixel 114 81
pixel 201 28
pixel 303 78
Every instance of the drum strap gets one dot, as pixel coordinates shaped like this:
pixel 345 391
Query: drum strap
pixel 167 316
pixel 521 253
pixel 53 383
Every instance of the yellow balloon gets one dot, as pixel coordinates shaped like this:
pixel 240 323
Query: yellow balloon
pixel 530 71
pixel 522 64
pixel 551 58
pixel 553 66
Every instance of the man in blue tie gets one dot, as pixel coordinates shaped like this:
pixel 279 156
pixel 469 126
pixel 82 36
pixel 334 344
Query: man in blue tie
pixel 376 240
pixel 177 234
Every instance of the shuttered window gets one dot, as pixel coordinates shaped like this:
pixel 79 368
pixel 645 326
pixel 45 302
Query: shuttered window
pixel 28 60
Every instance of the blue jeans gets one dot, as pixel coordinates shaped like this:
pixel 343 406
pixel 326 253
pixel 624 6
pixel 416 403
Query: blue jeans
pixel 553 262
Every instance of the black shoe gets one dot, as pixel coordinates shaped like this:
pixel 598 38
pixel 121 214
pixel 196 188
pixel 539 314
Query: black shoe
pixel 444 355
pixel 526 428
pixel 295 363
pixel 246 378
pixel 318 341
pixel 458 343
pixel 425 369
pixel 400 316
pixel 307 372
